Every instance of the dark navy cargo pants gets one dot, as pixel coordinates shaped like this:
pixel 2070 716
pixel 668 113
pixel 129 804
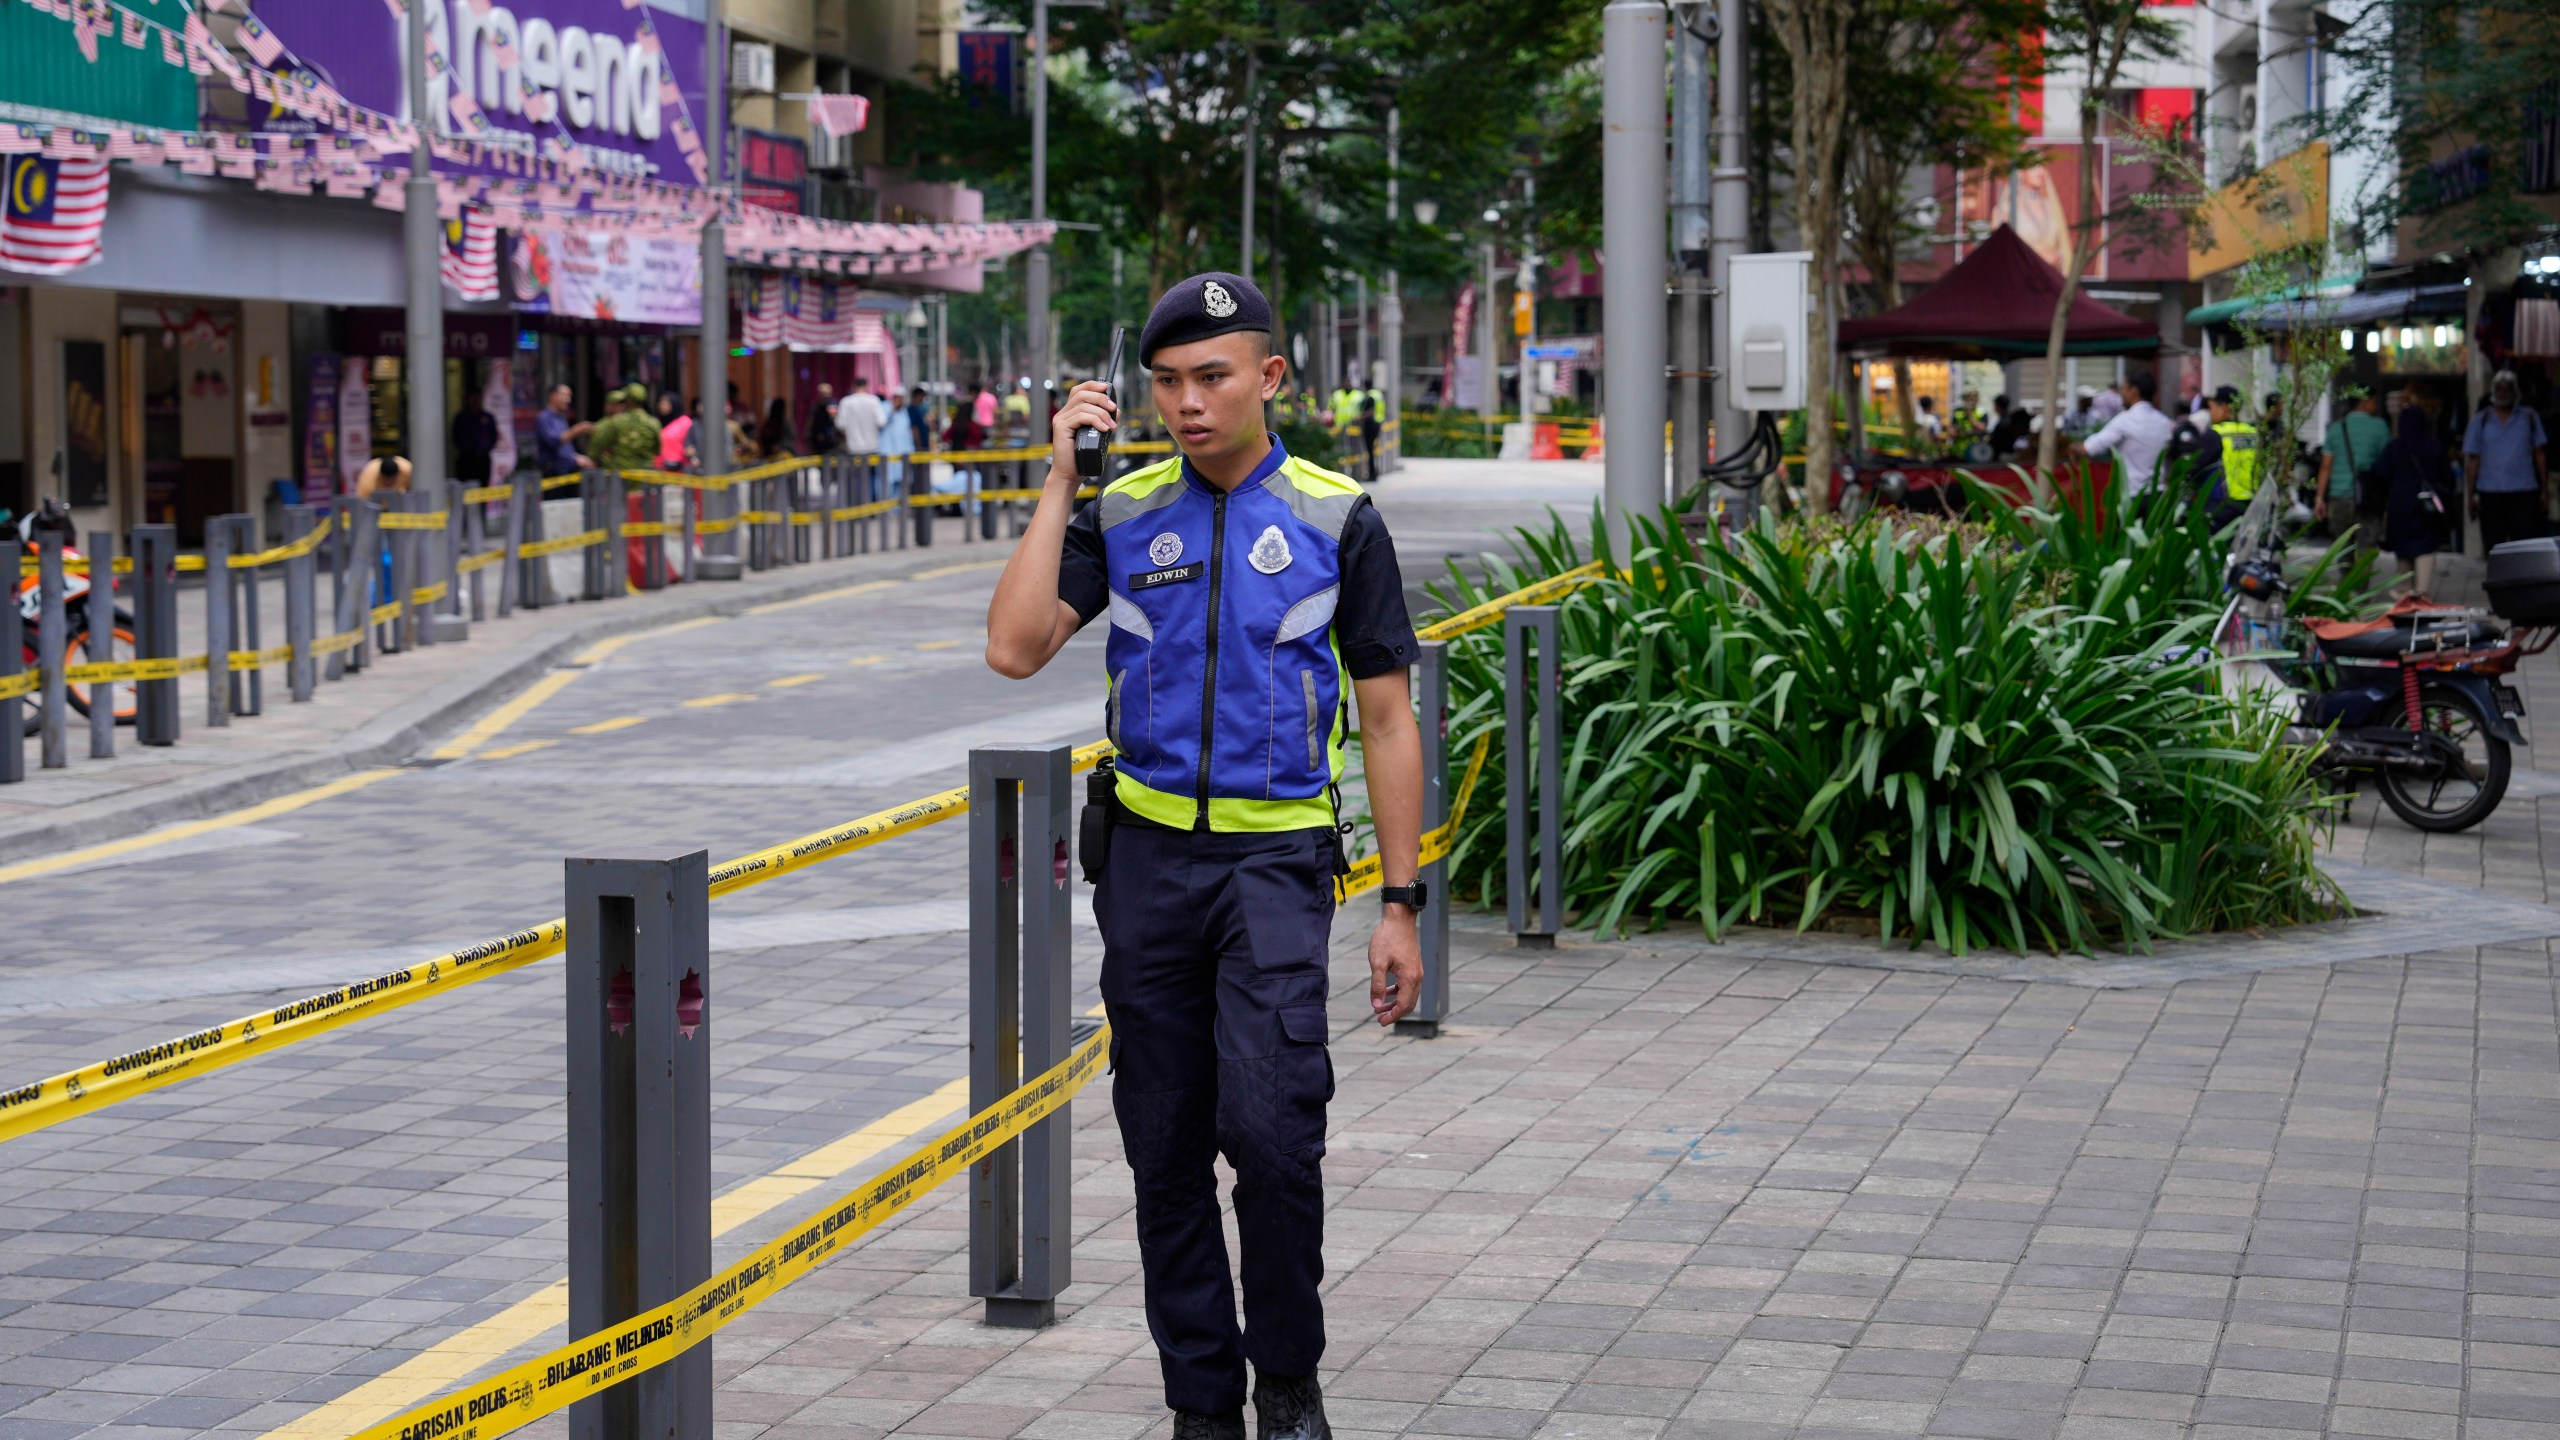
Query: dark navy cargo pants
pixel 1213 970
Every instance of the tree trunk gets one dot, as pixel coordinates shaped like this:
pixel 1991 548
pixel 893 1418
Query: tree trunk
pixel 2087 231
pixel 1816 34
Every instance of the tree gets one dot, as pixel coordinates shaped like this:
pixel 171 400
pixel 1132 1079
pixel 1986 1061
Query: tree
pixel 1929 83
pixel 2101 36
pixel 1817 37
pixel 1150 113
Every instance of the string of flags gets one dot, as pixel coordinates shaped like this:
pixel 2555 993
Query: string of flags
pixel 488 184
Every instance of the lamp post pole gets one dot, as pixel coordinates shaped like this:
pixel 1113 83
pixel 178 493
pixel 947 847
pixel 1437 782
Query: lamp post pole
pixel 1035 279
pixel 1633 188
pixel 422 230
pixel 719 559
pixel 1391 312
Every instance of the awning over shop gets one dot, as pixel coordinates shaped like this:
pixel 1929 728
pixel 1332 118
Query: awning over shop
pixel 2333 310
pixel 1996 303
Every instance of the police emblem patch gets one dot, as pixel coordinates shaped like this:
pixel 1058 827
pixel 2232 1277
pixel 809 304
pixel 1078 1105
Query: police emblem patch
pixel 1165 549
pixel 1215 299
pixel 1270 552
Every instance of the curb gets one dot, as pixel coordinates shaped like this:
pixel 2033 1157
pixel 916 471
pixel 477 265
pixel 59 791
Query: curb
pixel 399 733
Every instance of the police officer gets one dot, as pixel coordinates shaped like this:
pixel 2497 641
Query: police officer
pixel 1251 595
pixel 2221 451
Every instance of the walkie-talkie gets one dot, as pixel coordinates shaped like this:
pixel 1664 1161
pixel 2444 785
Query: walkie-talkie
pixel 1091 444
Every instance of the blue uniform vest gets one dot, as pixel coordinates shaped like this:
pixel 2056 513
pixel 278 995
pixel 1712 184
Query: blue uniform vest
pixel 1228 698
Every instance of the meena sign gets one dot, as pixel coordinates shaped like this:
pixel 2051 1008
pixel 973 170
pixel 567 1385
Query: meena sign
pixel 607 77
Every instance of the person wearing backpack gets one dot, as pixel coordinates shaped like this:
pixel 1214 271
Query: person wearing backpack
pixel 2353 488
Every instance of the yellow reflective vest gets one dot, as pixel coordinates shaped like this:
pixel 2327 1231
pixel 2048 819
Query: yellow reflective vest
pixel 2239 459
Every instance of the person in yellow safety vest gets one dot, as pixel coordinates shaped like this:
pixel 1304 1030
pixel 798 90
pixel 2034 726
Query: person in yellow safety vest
pixel 2221 455
pixel 1346 409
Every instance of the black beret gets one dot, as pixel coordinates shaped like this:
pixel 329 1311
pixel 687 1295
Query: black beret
pixel 1216 303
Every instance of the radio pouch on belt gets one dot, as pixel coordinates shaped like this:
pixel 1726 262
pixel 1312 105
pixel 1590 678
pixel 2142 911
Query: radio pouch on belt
pixel 1093 828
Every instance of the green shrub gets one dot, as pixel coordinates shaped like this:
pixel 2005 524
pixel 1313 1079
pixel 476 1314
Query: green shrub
pixel 1309 441
pixel 1967 734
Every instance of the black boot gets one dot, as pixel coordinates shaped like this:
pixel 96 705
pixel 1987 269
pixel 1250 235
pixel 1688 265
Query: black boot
pixel 1289 1409
pixel 1193 1425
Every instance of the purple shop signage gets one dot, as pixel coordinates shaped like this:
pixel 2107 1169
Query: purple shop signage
pixel 608 77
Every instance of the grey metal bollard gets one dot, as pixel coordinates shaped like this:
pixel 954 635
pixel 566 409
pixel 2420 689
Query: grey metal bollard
pixel 301 587
pixel 13 718
pixel 52 640
pixel 98 614
pixel 639 1079
pixel 613 567
pixel 217 621
pixel 1021 805
pixel 248 687
pixel 1431 700
pixel 1519 625
pixel 450 619
pixel 473 539
pixel 155 623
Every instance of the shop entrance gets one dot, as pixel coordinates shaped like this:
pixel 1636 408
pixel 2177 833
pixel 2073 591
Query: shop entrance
pixel 179 415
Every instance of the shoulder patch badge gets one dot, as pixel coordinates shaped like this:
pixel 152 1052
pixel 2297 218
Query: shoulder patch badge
pixel 1271 552
pixel 1165 549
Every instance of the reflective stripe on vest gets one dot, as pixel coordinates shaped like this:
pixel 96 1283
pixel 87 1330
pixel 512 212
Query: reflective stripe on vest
pixel 2239 459
pixel 1228 700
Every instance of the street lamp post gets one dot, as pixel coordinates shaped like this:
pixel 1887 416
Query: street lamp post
pixel 1489 353
pixel 1391 311
pixel 1035 278
pixel 719 559
pixel 422 230
pixel 1633 185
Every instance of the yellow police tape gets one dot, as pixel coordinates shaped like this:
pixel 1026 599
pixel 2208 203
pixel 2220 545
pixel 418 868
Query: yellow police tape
pixel 411 520
pixel 1490 612
pixel 430 594
pixel 759 517
pixel 260 659
pixel 332 644
pixel 481 561
pixel 25 683
pixel 385 612
pixel 590 1364
pixel 488 494
pixel 634 528
pixel 168 667
pixel 32 1107
pixel 579 541
pixel 1368 874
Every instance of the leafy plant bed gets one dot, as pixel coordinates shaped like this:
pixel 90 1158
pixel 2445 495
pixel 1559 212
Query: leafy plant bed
pixel 1968 735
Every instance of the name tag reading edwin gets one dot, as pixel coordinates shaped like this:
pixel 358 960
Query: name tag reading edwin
pixel 1153 578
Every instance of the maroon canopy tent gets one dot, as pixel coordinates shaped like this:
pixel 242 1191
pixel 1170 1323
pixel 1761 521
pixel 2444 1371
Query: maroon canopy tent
pixel 1997 303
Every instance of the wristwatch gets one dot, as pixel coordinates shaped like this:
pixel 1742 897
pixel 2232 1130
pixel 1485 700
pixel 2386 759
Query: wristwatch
pixel 1415 895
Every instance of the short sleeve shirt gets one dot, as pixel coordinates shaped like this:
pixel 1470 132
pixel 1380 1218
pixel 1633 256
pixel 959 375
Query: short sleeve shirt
pixel 2504 448
pixel 1370 623
pixel 551 443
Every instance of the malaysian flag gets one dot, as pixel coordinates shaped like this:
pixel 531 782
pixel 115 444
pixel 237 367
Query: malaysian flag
pixel 260 42
pixel 470 260
pixel 53 213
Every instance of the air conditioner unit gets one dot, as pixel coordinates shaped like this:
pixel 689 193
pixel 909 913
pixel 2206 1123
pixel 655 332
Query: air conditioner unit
pixel 750 67
pixel 829 152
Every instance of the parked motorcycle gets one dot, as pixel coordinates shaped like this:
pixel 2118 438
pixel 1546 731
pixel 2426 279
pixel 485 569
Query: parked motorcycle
pixel 2419 699
pixel 51 517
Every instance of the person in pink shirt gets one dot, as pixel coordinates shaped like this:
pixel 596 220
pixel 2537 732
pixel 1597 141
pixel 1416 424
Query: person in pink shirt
pixel 983 410
pixel 675 431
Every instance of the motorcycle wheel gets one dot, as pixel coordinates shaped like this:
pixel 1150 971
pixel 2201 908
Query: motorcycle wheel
pixel 121 647
pixel 2459 796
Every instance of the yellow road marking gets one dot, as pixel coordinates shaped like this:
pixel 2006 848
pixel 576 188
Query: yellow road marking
pixel 865 588
pixel 604 648
pixel 859 661
pixel 937 644
pixel 601 727
pixel 451 1359
pixel 731 697
pixel 787 681
pixel 265 810
pixel 958 569
pixel 508 752
pixel 488 726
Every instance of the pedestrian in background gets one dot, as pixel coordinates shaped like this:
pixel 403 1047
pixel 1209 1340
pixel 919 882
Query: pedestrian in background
pixel 858 419
pixel 675 433
pixel 474 436
pixel 555 438
pixel 774 438
pixel 2419 481
pixel 2137 434
pixel 2352 492
pixel 2506 466
pixel 825 436
pixel 628 438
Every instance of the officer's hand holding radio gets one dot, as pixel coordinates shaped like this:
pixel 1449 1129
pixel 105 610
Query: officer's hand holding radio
pixel 1089 405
